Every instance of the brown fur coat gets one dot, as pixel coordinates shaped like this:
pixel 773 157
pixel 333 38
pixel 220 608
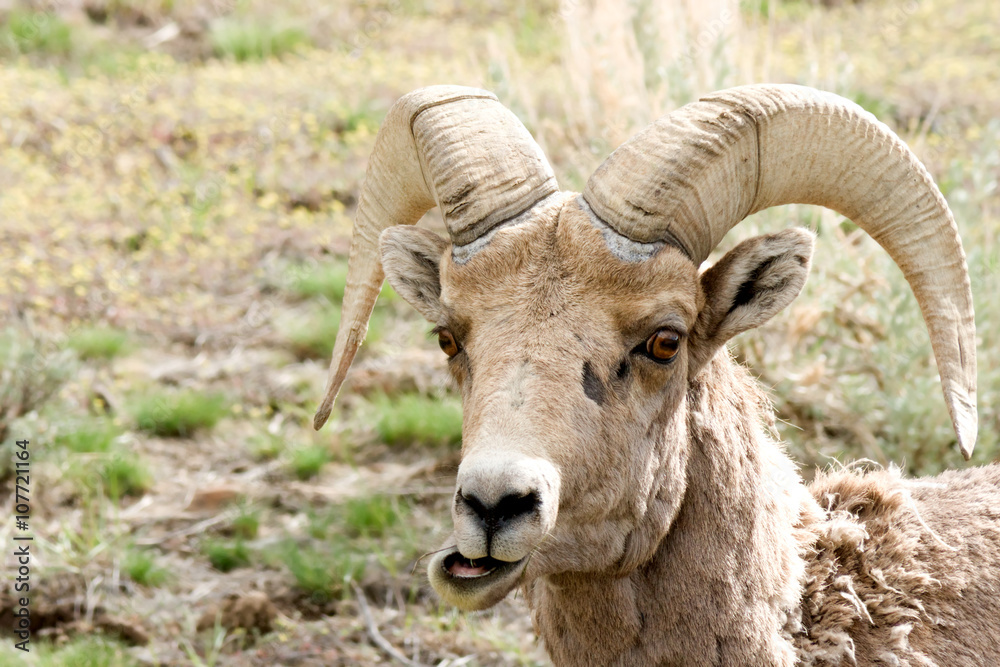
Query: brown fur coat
pixel 895 563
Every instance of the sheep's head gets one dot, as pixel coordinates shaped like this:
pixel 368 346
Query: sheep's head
pixel 574 323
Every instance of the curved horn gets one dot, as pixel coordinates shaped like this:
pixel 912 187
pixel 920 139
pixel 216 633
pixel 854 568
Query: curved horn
pixel 450 146
pixel 694 174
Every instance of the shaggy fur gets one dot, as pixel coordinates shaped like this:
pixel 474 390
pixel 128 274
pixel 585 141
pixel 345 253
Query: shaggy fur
pixel 903 572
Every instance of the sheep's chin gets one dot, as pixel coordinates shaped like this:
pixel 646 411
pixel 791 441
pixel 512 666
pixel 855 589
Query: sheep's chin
pixel 473 585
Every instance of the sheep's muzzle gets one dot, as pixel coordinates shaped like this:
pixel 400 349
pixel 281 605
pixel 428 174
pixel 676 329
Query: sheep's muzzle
pixel 504 505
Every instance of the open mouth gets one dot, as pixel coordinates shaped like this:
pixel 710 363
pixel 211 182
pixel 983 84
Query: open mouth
pixel 459 566
pixel 473 583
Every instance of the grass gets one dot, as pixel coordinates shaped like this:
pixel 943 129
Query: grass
pixel 366 517
pixel 322 571
pixel 417 419
pixel 323 524
pixel 266 446
pixel 98 342
pixel 178 413
pixel 35 32
pixel 313 336
pixel 141 567
pixel 246 524
pixel 125 474
pixel 244 40
pixel 305 462
pixel 227 556
pixel 372 516
pixel 88 436
pixel 32 370
pixel 82 651
pixel 327 280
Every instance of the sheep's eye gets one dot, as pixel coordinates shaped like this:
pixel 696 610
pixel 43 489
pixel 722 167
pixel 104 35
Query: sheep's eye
pixel 447 343
pixel 662 346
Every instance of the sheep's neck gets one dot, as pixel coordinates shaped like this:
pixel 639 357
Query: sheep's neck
pixel 723 587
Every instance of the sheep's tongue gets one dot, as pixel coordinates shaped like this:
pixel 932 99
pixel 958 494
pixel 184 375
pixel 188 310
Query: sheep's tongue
pixel 462 567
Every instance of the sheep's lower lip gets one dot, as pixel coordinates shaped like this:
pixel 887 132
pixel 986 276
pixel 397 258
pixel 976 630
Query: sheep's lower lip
pixel 473 584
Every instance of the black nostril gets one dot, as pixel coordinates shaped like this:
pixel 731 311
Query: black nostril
pixel 510 507
pixel 474 503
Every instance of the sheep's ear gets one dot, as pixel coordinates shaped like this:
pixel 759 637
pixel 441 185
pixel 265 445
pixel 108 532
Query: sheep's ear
pixel 411 258
pixel 747 287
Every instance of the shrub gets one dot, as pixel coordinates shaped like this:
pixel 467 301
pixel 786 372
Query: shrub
pixel 32 370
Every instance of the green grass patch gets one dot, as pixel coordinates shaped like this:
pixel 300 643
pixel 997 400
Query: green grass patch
pixel 246 524
pixel 415 418
pixel 92 436
pixel 323 524
pixel 178 414
pixel 266 446
pixel 98 342
pixel 125 475
pixel 328 280
pixel 372 516
pixel 306 462
pixel 82 651
pixel 141 567
pixel 322 571
pixel 227 556
pixel 243 40
pixel 32 370
pixel 35 32
pixel 313 337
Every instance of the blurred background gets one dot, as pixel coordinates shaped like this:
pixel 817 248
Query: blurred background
pixel 177 183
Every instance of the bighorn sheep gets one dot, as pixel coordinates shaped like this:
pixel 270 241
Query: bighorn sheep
pixel 617 465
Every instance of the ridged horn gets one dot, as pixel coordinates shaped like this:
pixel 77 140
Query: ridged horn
pixel 450 146
pixel 696 173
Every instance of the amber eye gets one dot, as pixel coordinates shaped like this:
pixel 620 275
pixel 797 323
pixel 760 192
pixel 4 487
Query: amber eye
pixel 447 343
pixel 663 345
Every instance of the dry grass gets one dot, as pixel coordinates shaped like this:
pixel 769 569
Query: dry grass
pixel 196 190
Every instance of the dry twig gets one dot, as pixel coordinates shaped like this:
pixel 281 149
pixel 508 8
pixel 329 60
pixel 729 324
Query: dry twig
pixel 373 633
